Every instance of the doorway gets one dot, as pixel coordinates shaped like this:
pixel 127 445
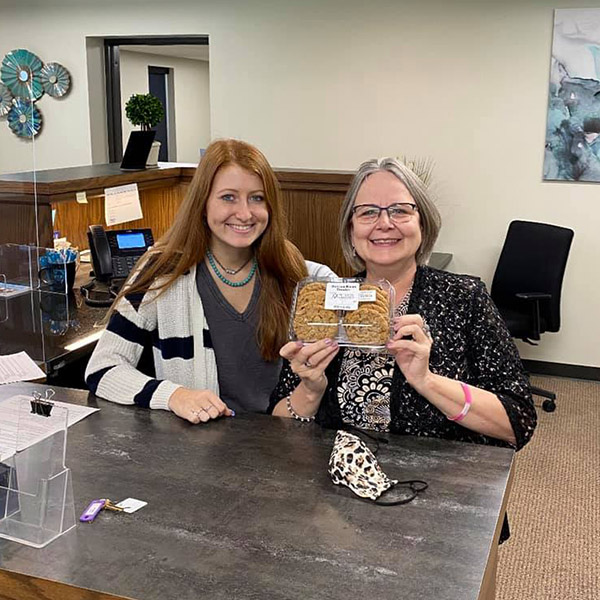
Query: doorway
pixel 161 81
pixel 158 84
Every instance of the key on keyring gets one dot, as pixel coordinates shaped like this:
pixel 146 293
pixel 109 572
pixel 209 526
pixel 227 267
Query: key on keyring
pixel 110 506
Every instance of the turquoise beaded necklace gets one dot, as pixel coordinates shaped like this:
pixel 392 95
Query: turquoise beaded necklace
pixel 211 262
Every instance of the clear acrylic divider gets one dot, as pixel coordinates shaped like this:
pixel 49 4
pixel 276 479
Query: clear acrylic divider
pixel 16 270
pixel 36 490
pixel 35 292
pixel 24 268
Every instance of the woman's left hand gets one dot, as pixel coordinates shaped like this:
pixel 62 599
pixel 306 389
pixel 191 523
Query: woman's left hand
pixel 412 352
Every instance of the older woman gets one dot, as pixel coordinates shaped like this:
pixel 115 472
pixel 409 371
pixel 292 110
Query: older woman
pixel 452 370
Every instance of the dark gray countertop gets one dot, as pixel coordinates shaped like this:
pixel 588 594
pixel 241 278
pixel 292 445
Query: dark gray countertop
pixel 244 508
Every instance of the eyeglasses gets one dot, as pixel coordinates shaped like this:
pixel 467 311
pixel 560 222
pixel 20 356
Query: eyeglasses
pixel 400 212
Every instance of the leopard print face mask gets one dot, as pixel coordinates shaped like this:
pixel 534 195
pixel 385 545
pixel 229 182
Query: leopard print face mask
pixel 354 465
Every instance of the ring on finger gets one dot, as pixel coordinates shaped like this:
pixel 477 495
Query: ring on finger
pixel 426 330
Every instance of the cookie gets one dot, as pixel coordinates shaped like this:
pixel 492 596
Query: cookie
pixel 381 297
pixel 312 321
pixel 312 294
pixel 367 326
pixel 315 323
pixel 315 286
pixel 311 298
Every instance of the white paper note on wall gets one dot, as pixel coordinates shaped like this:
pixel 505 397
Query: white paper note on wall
pixel 122 204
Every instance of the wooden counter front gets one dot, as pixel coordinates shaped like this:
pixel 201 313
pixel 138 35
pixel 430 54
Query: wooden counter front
pixel 311 200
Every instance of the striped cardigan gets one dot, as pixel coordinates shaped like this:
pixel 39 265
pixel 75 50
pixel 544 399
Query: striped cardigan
pixel 174 327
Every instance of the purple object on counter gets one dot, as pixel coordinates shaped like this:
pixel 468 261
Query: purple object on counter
pixel 90 513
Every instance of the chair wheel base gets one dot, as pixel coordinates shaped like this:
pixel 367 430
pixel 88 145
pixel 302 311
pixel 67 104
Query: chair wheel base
pixel 549 405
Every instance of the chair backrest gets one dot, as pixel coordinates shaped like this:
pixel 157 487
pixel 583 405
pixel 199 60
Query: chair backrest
pixel 533 259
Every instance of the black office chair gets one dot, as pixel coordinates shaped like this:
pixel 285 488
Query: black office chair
pixel 528 281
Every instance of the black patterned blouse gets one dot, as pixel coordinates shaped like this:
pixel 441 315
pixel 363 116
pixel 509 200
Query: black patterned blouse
pixel 470 343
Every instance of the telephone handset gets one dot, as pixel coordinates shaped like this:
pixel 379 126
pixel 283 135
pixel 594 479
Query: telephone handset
pixel 114 253
pixel 100 253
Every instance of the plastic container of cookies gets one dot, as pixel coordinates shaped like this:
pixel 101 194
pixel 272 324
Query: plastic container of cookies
pixel 349 310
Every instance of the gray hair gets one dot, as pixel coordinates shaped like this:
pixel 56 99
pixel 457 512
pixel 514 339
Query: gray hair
pixel 429 216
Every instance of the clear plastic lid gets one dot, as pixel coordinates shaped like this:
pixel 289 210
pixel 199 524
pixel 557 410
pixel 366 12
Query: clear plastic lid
pixel 349 310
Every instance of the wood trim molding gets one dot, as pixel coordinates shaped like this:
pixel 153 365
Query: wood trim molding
pixel 16 586
pixel 540 367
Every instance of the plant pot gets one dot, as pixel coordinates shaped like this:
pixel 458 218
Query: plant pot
pixel 153 155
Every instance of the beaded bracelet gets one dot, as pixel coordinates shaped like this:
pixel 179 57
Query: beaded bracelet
pixel 468 399
pixel 288 403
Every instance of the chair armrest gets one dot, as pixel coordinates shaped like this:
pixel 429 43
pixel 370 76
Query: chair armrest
pixel 533 296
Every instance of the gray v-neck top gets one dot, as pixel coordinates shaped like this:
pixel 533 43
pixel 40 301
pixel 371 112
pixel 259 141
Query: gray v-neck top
pixel 246 380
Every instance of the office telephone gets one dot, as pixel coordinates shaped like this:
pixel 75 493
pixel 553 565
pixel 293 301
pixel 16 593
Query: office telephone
pixel 115 252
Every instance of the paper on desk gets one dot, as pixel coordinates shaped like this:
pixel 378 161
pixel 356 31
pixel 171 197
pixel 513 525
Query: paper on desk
pixel 9 421
pixel 18 367
pixel 122 204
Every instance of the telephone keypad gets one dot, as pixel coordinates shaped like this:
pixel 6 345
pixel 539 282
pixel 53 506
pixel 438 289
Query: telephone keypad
pixel 122 265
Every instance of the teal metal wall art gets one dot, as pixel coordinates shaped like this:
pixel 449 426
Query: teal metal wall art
pixel 20 72
pixel 24 80
pixel 24 119
pixel 55 79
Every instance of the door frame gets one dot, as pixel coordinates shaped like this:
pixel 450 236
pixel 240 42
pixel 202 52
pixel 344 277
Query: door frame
pixel 112 64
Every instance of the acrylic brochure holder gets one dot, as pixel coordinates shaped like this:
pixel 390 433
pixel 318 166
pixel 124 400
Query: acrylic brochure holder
pixel 36 490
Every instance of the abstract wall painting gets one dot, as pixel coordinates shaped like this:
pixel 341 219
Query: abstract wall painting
pixel 573 128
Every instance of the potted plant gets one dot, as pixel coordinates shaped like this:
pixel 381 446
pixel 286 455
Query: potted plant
pixel 146 111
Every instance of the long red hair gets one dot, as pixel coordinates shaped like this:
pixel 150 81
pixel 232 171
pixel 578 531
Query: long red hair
pixel 185 244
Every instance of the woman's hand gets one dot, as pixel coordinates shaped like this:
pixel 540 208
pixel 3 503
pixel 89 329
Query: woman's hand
pixel 411 345
pixel 198 406
pixel 309 363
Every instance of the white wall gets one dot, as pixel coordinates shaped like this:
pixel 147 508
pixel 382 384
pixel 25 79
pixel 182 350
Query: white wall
pixel 191 95
pixel 327 84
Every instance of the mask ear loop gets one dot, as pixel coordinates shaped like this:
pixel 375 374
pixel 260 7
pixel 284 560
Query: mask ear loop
pixel 361 432
pixel 416 485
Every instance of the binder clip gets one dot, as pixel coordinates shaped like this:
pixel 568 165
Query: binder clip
pixel 42 406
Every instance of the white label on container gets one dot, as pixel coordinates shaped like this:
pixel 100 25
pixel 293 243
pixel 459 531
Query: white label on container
pixel 367 296
pixel 342 296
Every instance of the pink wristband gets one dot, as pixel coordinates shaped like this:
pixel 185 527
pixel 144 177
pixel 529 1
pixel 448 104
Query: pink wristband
pixel 468 399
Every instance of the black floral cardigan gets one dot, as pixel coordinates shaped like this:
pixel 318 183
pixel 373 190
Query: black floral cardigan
pixel 471 344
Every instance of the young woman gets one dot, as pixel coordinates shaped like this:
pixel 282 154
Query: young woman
pixel 210 302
